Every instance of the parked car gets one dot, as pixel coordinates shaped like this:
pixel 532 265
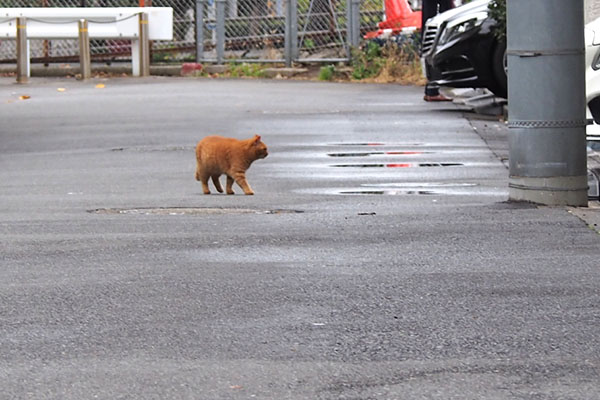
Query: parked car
pixel 461 50
pixel 592 77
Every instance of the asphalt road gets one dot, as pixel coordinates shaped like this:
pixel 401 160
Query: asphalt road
pixel 378 258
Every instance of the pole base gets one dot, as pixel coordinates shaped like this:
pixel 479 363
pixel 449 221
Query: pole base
pixel 550 191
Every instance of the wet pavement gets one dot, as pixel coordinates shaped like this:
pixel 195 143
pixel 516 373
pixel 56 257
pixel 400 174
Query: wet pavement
pixel 120 279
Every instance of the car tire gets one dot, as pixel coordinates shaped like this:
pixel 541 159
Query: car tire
pixel 499 68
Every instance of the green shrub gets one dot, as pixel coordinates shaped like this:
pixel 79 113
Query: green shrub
pixel 326 73
pixel 366 62
pixel 498 12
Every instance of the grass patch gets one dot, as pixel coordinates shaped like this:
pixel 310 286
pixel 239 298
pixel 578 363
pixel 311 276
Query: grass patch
pixel 388 62
pixel 249 70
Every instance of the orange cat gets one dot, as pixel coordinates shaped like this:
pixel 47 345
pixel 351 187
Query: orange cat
pixel 216 155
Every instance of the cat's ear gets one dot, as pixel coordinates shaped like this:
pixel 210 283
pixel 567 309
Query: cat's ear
pixel 256 139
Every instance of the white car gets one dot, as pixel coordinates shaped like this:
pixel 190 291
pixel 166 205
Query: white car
pixel 592 77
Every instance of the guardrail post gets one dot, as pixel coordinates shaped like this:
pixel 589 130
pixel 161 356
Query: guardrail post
pixel 291 32
pixel 220 30
pixel 22 51
pixel 84 50
pixel 144 45
pixel 199 30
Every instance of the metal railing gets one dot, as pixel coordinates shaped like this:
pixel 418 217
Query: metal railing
pixel 229 30
pixel 293 32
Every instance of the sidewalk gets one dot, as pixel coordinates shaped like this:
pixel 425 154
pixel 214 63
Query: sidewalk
pixel 495 134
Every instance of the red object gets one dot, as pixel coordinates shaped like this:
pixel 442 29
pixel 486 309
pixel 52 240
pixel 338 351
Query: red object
pixel 190 68
pixel 398 16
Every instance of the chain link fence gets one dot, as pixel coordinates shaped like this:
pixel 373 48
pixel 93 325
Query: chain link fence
pixel 254 31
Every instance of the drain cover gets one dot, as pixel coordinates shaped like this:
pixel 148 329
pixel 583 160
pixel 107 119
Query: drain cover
pixel 188 211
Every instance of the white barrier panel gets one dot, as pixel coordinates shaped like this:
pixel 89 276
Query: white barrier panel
pixel 103 23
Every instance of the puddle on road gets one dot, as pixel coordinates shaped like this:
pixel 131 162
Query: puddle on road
pixel 379 153
pixel 390 192
pixel 379 144
pixel 420 185
pixel 412 189
pixel 358 144
pixel 407 188
pixel 397 165
pixel 188 211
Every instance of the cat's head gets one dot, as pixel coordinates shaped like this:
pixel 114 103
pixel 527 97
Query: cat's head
pixel 259 147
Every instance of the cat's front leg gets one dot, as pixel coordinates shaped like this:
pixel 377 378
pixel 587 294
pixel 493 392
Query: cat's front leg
pixel 241 180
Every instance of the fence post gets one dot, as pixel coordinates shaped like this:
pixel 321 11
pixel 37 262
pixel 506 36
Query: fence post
pixel 353 25
pixel 144 45
pixel 220 30
pixel 349 29
pixel 291 32
pixel 355 22
pixel 84 50
pixel 199 30
pixel 22 51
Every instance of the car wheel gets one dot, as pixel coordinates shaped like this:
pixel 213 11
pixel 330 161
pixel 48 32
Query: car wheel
pixel 500 69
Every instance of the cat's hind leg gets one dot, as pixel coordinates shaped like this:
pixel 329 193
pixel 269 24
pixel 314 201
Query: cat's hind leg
pixel 229 186
pixel 203 177
pixel 205 188
pixel 217 183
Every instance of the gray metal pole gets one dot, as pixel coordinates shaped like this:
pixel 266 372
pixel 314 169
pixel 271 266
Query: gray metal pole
pixel 294 28
pixel 144 45
pixel 84 50
pixel 22 51
pixel 546 91
pixel 355 33
pixel 349 29
pixel 353 28
pixel 288 34
pixel 220 30
pixel 199 30
pixel 291 32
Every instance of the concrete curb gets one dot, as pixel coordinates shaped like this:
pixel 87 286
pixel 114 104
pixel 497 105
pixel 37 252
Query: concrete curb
pixel 68 69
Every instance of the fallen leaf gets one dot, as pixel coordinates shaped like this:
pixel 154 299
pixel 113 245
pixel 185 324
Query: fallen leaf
pixel 61 89
pixel 24 97
pixel 100 86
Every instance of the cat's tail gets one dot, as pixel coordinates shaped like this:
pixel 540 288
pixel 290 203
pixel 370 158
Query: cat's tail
pixel 198 162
